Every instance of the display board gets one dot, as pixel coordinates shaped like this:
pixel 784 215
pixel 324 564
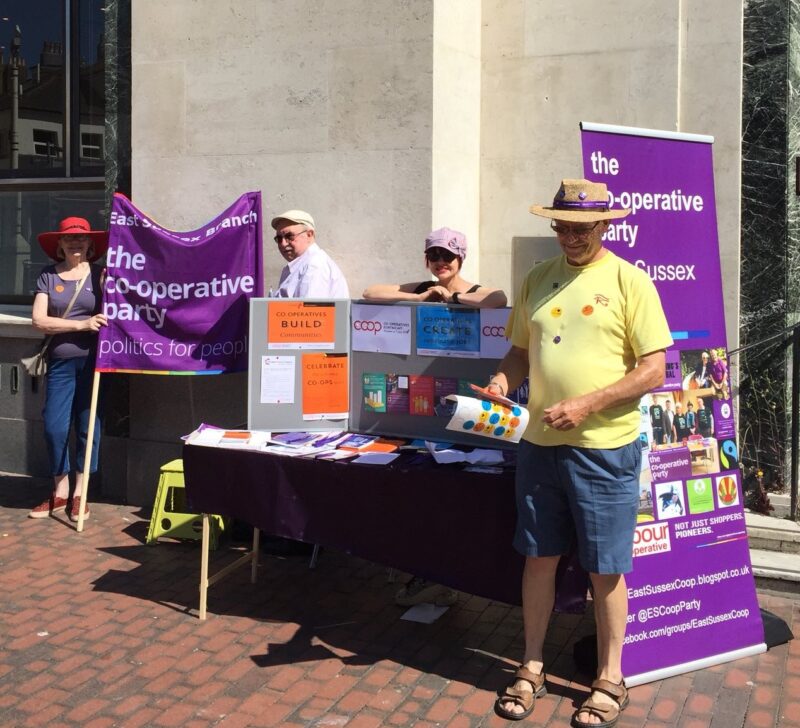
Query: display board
pixel 692 599
pixel 299 364
pixel 381 369
pixel 407 357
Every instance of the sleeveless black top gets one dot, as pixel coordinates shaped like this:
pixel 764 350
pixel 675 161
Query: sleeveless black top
pixel 422 287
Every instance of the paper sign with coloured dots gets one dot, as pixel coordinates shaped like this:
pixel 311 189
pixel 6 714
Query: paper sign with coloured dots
pixel 488 419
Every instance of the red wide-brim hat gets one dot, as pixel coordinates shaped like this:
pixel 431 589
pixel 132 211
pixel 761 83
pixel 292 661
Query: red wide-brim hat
pixel 74 226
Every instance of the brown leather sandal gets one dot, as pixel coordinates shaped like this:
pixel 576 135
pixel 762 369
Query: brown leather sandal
pixel 525 699
pixel 608 714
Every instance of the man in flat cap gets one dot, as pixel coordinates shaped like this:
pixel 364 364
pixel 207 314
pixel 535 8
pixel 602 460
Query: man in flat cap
pixel 589 331
pixel 310 272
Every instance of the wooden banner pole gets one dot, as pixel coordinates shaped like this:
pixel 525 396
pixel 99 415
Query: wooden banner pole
pixel 87 460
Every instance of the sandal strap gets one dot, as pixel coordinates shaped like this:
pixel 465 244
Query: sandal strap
pixel 605 711
pixel 536 680
pixel 615 691
pixel 523 698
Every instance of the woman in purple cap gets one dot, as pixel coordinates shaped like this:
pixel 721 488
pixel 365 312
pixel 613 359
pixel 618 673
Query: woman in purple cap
pixel 67 308
pixel 445 250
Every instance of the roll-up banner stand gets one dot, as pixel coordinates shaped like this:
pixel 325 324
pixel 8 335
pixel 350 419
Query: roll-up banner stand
pixel 691 595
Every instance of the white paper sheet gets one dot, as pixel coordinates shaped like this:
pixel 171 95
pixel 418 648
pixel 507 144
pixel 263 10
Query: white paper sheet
pixel 484 455
pixel 424 613
pixel 277 379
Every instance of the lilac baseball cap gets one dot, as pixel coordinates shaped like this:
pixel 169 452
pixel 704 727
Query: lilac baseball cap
pixel 448 239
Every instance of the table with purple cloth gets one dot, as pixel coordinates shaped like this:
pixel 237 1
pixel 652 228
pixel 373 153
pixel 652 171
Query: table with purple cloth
pixel 440 522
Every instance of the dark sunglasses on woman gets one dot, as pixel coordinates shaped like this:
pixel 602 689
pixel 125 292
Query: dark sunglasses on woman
pixel 436 254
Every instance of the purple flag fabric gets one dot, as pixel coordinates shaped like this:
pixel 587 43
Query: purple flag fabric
pixel 178 302
pixel 691 594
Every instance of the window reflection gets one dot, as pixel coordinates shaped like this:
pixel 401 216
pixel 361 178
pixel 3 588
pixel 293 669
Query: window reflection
pixel 23 215
pixel 91 86
pixel 32 87
pixel 52 116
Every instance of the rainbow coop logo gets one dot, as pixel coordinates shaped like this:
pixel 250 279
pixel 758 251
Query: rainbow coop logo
pixel 727 491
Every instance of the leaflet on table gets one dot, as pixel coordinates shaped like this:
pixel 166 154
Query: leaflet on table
pixel 485 456
pixel 199 430
pixel 371 443
pixel 309 439
pixel 488 418
pixel 211 436
pixel 376 458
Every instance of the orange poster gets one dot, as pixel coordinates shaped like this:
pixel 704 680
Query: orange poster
pixel 301 325
pixel 325 386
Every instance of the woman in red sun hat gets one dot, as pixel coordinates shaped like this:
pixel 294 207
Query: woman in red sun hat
pixel 70 353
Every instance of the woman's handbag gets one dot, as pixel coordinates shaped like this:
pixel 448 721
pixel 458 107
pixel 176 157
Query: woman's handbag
pixel 36 365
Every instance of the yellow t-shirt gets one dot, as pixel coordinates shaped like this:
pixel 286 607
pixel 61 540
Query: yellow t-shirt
pixel 584 328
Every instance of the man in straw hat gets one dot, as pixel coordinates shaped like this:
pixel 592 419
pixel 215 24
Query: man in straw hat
pixel 588 329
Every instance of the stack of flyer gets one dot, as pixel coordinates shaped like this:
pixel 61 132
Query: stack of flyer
pixel 305 444
pixel 329 445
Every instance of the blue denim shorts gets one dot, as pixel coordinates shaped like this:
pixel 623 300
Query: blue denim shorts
pixel 578 495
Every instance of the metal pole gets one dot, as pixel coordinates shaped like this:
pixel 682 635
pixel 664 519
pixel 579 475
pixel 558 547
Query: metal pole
pixel 795 417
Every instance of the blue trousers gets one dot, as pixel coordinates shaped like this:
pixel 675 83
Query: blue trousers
pixel 66 405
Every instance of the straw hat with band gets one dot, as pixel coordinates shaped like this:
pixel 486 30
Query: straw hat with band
pixel 579 200
pixel 74 226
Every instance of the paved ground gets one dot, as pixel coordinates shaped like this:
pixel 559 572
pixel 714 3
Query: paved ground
pixel 97 629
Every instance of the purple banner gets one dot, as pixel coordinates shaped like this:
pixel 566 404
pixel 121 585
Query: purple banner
pixel 671 232
pixel 691 594
pixel 178 302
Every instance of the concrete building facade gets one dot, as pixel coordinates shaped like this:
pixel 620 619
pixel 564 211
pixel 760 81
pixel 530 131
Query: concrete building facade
pixel 386 119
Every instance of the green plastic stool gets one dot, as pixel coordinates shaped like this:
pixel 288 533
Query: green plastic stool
pixel 170 517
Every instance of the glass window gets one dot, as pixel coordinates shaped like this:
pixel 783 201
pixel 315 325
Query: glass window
pixel 23 215
pixel 45 143
pixel 32 87
pixel 91 148
pixel 52 117
pixel 89 91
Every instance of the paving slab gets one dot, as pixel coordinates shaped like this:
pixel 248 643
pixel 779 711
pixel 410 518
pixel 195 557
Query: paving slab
pixel 97 629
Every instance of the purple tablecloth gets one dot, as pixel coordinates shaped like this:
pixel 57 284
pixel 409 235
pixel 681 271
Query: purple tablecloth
pixel 438 522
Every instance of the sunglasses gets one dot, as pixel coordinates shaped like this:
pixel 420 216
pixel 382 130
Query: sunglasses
pixel 437 254
pixel 288 237
pixel 578 232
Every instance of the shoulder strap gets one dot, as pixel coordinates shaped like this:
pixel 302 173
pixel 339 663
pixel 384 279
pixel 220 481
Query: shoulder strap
pixel 75 295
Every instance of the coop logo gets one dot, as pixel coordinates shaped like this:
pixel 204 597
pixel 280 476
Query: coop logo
pixel 652 538
pixel 374 326
pixel 727 491
pixel 497 331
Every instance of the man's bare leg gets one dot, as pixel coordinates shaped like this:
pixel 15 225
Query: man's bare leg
pixel 611 616
pixel 538 595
